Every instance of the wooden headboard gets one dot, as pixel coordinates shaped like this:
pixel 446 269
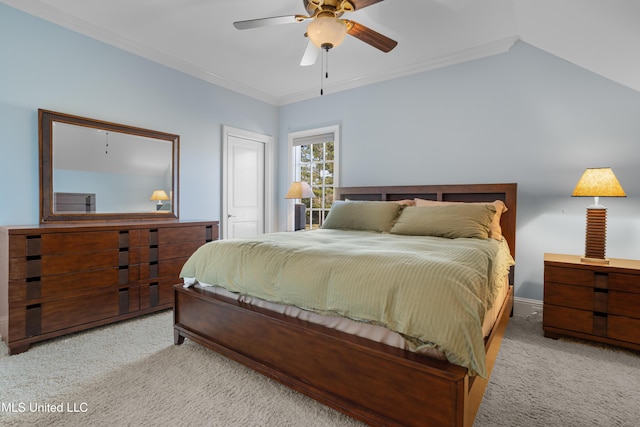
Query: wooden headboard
pixel 448 193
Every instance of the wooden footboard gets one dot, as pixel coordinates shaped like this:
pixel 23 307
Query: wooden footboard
pixel 372 382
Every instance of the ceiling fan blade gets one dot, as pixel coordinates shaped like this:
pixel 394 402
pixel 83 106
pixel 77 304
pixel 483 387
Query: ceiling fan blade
pixel 310 55
pixel 361 4
pixel 267 22
pixel 370 36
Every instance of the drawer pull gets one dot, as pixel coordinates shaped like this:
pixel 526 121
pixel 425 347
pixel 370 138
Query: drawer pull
pixel 600 324
pixel 601 280
pixel 123 301
pixel 154 294
pixel 33 320
pixel 34 287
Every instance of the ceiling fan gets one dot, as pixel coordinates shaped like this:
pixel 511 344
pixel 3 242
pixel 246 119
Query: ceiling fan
pixel 326 30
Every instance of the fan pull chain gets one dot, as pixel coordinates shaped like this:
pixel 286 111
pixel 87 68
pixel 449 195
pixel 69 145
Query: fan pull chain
pixel 326 75
pixel 324 71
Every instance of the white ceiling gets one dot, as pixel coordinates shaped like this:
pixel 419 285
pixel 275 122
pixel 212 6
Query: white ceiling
pixel 198 38
pixel 81 148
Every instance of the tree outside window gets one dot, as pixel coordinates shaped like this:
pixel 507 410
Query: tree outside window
pixel 316 166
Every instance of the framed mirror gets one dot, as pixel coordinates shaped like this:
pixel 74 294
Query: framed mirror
pixel 96 170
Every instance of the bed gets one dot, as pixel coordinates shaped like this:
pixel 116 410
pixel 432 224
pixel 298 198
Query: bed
pixel 372 381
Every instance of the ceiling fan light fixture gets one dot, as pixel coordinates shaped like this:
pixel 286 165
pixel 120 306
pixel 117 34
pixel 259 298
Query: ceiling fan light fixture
pixel 327 32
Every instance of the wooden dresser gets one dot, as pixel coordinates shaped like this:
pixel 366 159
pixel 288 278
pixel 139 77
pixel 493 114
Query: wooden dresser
pixel 598 302
pixel 58 279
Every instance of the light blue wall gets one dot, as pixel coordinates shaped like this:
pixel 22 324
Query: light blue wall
pixel 45 66
pixel 523 116
pixel 115 193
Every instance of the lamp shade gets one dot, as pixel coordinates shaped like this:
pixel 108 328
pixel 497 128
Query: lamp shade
pixel 299 190
pixel 598 182
pixel 327 31
pixel 159 195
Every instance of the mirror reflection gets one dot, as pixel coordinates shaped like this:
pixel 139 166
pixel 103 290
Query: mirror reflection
pixel 111 172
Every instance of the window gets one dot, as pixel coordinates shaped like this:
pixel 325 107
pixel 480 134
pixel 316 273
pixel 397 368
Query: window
pixel 314 159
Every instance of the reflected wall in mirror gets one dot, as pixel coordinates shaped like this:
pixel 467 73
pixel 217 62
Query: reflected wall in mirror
pixel 96 170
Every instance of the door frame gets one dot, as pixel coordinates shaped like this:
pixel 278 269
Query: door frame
pixel 267 140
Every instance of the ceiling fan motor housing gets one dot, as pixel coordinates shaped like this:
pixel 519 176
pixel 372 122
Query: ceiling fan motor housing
pixel 337 7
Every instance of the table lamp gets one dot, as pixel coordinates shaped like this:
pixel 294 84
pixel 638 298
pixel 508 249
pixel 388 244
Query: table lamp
pixel 299 190
pixel 159 195
pixel 596 183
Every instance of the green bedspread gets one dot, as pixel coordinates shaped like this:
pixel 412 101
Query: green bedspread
pixel 434 291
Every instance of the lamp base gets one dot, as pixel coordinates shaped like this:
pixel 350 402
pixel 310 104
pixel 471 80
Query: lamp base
pixel 596 236
pixel 300 217
pixel 594 260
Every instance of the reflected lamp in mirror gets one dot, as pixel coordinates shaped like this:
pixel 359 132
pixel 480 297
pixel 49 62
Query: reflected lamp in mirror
pixel 299 190
pixel 596 183
pixel 159 195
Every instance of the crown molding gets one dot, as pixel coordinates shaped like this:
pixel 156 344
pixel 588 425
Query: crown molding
pixel 476 52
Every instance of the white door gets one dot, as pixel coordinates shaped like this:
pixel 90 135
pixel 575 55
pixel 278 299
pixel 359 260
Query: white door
pixel 244 186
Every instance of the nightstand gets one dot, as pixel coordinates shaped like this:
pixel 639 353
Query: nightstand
pixel 595 302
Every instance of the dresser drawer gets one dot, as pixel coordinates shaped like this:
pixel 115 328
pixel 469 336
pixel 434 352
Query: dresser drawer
pixel 570 276
pixel 61 284
pixel 624 304
pixel 580 297
pixel 625 282
pixel 568 318
pixel 171 268
pixel 78 261
pixel 181 234
pixel 92 241
pixel 178 250
pixel 51 316
pixel 73 311
pixel 624 329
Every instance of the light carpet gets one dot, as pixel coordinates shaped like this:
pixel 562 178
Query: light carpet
pixel 131 374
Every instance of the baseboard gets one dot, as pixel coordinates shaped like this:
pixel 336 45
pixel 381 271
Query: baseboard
pixel 4 325
pixel 524 307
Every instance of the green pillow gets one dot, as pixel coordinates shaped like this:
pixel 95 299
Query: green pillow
pixel 452 221
pixel 362 215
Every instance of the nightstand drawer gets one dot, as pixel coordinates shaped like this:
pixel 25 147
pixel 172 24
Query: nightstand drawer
pixel 624 282
pixel 624 329
pixel 569 276
pixel 572 296
pixel 624 304
pixel 568 318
